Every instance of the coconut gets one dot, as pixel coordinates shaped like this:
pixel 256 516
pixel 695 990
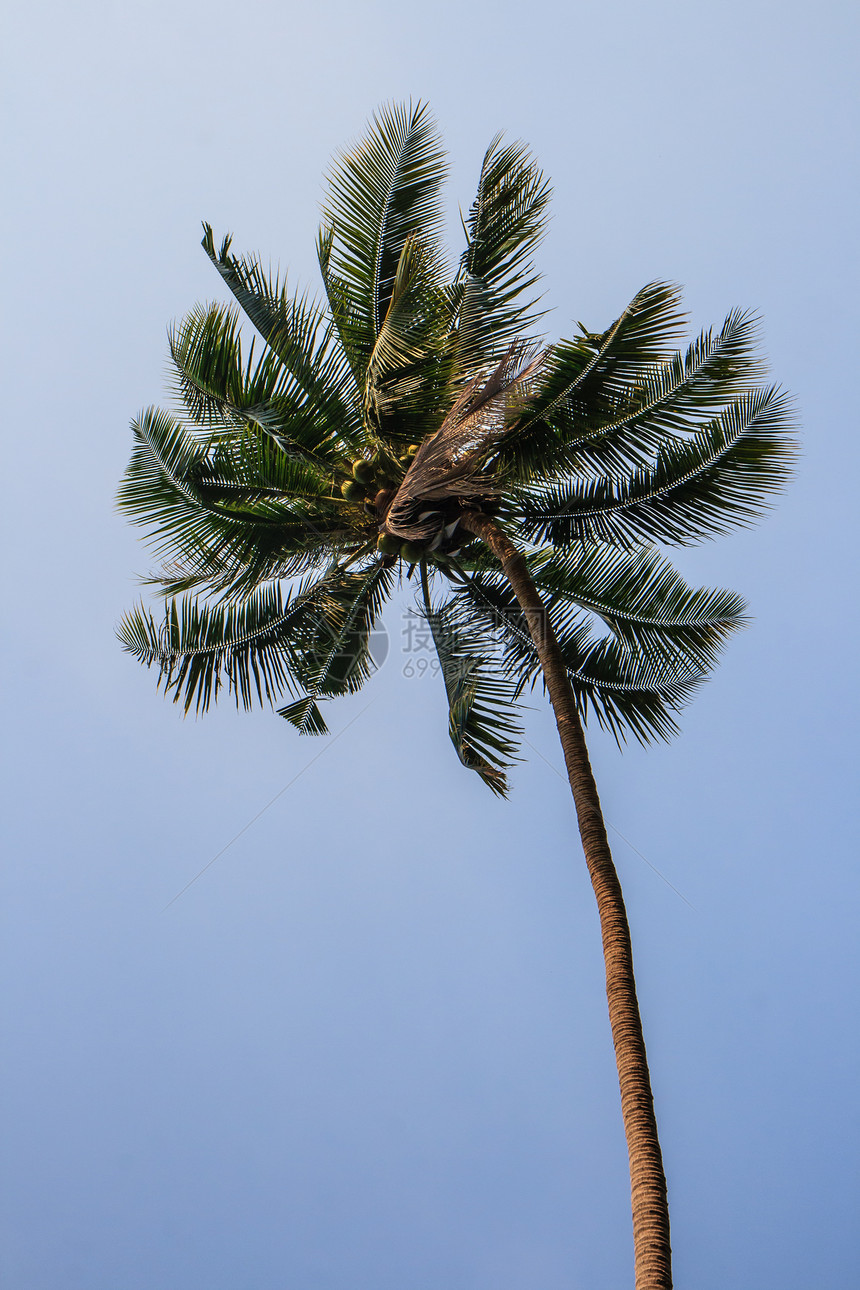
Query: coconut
pixel 352 491
pixel 362 471
pixel 388 544
pixel 411 552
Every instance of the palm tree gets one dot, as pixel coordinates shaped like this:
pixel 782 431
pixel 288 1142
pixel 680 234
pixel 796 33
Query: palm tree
pixel 410 427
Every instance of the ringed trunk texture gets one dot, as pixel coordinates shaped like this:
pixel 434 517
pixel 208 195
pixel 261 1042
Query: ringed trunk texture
pixel 652 1250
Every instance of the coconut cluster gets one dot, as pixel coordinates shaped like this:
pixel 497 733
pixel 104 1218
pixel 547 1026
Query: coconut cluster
pixel 374 482
pixel 369 475
pixel 372 476
pixel 388 544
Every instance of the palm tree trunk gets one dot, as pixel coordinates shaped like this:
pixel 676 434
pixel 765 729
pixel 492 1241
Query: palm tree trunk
pixel 652 1251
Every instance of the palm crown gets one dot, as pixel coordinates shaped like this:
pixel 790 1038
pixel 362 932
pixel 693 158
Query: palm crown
pixel 301 479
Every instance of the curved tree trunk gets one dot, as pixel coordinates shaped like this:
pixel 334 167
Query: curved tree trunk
pixel 652 1251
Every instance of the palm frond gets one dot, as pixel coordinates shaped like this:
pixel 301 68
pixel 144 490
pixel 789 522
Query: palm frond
pixel 595 429
pixel 505 223
pixel 481 700
pixel 305 715
pixel 409 370
pixel 223 390
pixel 298 330
pixel 596 372
pixel 642 337
pixel 250 471
pixel 165 490
pixel 643 601
pixel 199 647
pixel 628 687
pixel 717 480
pixel 332 649
pixel 628 692
pixel 382 192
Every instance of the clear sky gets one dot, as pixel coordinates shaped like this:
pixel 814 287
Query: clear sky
pixel 368 1049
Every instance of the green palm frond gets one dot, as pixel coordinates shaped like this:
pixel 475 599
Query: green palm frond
pixel 305 716
pixel 332 648
pixel 165 490
pixel 172 479
pixel 481 699
pixel 505 224
pixel 630 685
pixel 408 371
pixel 222 389
pixel 716 367
pixel 589 381
pixel 643 336
pixel 382 192
pixel 211 376
pixel 716 480
pixel 629 691
pixel 233 572
pixel 643 600
pixel 249 471
pixel 640 338
pixel 298 330
pixel 593 429
pixel 250 647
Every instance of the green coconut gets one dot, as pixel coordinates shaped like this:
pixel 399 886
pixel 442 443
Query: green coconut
pixel 352 491
pixel 362 471
pixel 388 544
pixel 411 552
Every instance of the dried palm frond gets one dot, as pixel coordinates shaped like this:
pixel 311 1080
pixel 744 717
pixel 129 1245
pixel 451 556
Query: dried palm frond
pixel 448 464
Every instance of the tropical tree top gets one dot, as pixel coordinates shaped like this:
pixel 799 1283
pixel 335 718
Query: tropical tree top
pixel 337 446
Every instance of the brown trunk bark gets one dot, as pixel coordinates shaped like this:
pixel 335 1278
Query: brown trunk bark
pixel 652 1251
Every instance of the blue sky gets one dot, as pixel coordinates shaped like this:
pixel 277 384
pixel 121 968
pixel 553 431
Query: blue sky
pixel 368 1047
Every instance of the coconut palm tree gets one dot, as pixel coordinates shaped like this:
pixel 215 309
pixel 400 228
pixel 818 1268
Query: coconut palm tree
pixel 411 427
